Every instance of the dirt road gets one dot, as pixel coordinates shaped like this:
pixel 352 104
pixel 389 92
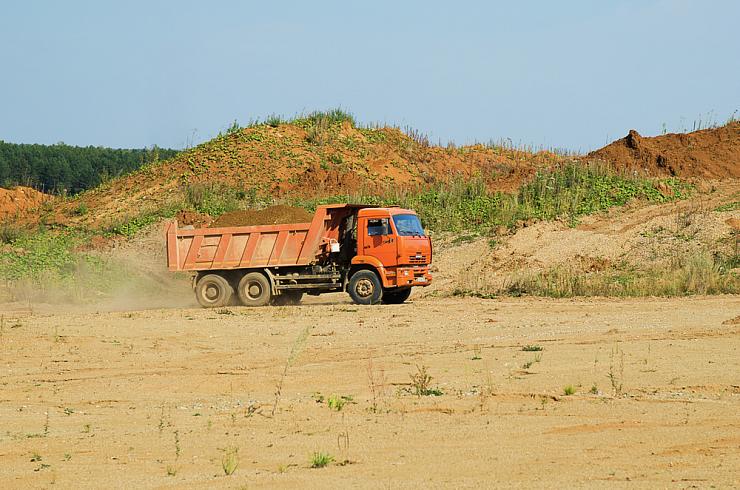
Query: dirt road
pixel 164 398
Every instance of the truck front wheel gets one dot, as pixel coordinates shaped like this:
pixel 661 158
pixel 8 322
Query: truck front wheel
pixel 254 289
pixel 364 288
pixel 213 291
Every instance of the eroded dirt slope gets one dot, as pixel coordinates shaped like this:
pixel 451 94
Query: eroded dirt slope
pixel 19 201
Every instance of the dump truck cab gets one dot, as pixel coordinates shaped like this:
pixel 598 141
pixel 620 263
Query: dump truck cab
pixel 393 241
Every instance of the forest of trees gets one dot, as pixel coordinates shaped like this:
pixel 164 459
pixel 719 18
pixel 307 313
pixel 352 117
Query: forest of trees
pixel 71 169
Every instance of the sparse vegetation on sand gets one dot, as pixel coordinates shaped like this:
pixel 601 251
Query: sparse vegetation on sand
pixel 702 274
pixel 320 459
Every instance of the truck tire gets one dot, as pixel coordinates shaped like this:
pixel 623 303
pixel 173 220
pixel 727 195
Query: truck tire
pixel 364 288
pixel 254 290
pixel 396 296
pixel 288 298
pixel 213 291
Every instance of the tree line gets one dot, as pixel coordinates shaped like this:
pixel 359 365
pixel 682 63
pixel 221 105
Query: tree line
pixel 68 169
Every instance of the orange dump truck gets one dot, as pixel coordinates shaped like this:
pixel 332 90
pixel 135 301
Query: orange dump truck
pixel 375 254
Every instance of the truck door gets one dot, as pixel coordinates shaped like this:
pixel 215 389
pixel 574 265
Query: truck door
pixel 380 241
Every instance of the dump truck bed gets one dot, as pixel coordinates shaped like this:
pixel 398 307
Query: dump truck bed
pixel 242 247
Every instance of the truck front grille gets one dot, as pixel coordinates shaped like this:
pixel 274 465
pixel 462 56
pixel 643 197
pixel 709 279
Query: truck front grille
pixel 417 259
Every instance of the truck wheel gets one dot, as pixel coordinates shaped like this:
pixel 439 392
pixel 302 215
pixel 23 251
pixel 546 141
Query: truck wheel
pixel 254 290
pixel 287 298
pixel 365 288
pixel 213 291
pixel 396 296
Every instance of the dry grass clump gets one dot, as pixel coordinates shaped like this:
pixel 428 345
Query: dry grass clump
pixel 700 274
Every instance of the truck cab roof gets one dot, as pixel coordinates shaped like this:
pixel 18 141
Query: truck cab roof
pixel 369 210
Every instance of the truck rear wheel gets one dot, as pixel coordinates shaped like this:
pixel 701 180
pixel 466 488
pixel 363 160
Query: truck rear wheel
pixel 364 288
pixel 254 290
pixel 396 296
pixel 213 291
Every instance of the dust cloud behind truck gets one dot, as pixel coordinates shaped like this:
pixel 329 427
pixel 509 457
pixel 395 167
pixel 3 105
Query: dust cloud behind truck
pixel 376 254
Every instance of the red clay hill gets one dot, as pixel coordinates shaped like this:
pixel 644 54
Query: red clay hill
pixel 312 157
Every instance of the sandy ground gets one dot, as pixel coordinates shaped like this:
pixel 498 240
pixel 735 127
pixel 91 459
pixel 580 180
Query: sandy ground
pixel 159 398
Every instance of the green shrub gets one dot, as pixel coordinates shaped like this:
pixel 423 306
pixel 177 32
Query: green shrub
pixel 81 209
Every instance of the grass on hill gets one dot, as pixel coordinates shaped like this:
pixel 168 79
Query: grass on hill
pixel 569 192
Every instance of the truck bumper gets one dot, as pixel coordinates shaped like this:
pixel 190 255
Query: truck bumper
pixel 411 276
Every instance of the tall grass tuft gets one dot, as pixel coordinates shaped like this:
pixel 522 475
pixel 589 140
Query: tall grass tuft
pixel 10 232
pixel 330 117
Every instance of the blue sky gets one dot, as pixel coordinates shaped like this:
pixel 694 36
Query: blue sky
pixel 571 74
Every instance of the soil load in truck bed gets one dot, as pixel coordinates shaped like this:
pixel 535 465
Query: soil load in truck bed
pixel 273 215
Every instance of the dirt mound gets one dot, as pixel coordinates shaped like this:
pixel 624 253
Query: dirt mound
pixel 709 153
pixel 273 215
pixel 302 158
pixel 19 200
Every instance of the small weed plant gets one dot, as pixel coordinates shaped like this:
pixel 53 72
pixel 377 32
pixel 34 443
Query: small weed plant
pixel 532 348
pixel 295 351
pixel 230 461
pixel 336 402
pixel 320 459
pixel 616 370
pixel 421 383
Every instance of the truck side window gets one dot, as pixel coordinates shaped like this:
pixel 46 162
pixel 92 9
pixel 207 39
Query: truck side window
pixel 378 227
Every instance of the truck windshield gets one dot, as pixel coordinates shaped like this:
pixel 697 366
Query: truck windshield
pixel 408 225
